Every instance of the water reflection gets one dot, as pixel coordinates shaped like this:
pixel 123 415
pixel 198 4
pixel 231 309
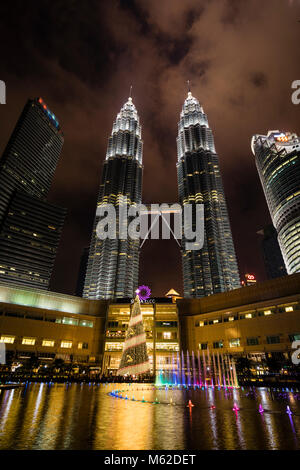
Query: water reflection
pixel 71 416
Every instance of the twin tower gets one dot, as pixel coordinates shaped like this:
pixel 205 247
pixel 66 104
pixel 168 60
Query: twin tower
pixel 113 264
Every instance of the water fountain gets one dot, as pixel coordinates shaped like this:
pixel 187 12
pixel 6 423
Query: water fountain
pixel 188 370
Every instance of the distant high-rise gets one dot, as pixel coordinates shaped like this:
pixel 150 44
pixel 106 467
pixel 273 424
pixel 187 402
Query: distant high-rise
pixel 274 263
pixel 214 268
pixel 82 272
pixel 277 157
pixel 30 227
pixel 29 239
pixel 31 155
pixel 112 270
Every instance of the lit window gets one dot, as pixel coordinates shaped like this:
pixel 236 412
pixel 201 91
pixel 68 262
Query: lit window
pixel 28 341
pixel 216 321
pixel 83 346
pixel 66 344
pixel 248 315
pixel 67 321
pixel 113 346
pixel 289 309
pixel 234 343
pixel 7 339
pixel 267 312
pixel 48 343
pixel 166 335
pixel 87 323
pixel 201 323
pixel 231 318
pixel 79 345
pixel 294 337
pixel 167 346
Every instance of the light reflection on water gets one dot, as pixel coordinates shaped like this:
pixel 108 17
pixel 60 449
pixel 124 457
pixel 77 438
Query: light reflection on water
pixel 74 416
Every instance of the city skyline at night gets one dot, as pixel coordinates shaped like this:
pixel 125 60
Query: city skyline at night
pixel 150 229
pixel 157 50
pixel 121 145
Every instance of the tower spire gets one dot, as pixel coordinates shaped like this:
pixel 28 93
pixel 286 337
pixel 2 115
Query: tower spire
pixel 189 86
pixel 130 91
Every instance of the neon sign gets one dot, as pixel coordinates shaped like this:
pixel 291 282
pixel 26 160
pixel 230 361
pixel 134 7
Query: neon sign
pixel 143 292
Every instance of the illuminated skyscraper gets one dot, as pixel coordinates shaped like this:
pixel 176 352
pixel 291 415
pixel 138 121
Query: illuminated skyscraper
pixel 31 155
pixel 112 270
pixel 277 157
pixel 30 227
pixel 213 268
pixel 29 239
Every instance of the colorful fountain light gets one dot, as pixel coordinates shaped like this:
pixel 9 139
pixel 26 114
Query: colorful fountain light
pixel 208 370
pixel 288 410
pixel 235 408
pixel 143 292
pixel 261 410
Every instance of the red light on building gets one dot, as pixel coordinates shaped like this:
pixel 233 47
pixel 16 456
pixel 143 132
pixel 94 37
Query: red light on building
pixel 250 280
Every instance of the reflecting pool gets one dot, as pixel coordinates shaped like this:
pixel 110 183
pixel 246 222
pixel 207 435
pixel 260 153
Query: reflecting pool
pixel 137 416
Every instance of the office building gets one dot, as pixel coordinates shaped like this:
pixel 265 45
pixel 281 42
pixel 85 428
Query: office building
pixel 274 263
pixel 213 268
pixel 277 157
pixel 113 263
pixel 30 227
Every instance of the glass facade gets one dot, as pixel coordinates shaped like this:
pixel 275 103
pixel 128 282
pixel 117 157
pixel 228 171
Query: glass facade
pixel 161 329
pixel 213 268
pixel 112 269
pixel 29 240
pixel 278 164
pixel 31 155
pixel 30 227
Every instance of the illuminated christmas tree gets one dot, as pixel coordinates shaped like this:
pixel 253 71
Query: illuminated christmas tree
pixel 135 359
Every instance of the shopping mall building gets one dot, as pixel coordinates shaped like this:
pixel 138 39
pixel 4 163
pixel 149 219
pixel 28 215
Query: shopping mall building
pixel 253 321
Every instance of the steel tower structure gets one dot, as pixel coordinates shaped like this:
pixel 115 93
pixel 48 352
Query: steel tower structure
pixel 213 268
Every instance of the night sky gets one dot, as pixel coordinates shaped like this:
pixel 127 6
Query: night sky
pixel 82 56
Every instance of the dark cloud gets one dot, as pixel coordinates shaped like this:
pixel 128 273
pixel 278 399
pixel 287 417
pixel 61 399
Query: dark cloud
pixel 81 57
